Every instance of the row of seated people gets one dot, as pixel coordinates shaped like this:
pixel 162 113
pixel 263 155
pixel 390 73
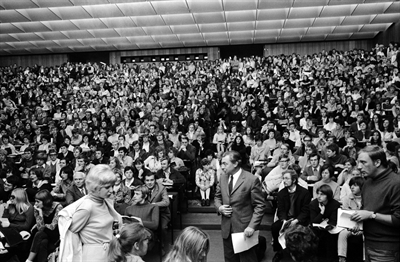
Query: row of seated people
pixel 71 188
pixel 295 205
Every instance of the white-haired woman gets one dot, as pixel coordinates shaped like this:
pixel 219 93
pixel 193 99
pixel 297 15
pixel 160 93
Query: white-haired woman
pixel 93 219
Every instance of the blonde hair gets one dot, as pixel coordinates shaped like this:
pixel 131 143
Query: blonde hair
pixel 122 245
pixel 21 200
pixel 189 246
pixel 99 176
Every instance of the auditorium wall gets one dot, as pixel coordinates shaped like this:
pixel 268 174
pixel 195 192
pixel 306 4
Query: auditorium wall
pixel 30 60
pixel 315 47
pixel 392 34
pixel 213 53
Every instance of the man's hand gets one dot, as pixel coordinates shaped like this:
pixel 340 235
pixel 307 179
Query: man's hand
pixel 361 215
pixel 225 210
pixel 248 232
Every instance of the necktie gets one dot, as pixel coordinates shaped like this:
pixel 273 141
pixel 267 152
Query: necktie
pixel 83 191
pixel 230 185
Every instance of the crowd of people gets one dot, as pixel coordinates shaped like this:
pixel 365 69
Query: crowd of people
pixel 164 125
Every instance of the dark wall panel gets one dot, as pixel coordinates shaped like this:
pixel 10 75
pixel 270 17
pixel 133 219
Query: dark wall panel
pixel 30 60
pixel 392 34
pixel 241 50
pixel 315 47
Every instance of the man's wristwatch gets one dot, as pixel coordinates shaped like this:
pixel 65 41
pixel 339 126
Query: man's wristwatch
pixel 373 215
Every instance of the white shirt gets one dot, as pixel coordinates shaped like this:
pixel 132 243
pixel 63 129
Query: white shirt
pixel 235 177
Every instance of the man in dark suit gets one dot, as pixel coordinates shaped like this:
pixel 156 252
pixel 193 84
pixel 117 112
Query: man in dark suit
pixel 311 173
pixel 159 197
pixel 239 200
pixel 169 175
pixel 77 190
pixel 293 207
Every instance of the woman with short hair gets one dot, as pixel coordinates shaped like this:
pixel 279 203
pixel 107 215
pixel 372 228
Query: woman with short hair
pixel 46 232
pixel 92 217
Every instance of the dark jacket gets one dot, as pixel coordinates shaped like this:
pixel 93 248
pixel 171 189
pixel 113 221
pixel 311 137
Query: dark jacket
pixel 302 198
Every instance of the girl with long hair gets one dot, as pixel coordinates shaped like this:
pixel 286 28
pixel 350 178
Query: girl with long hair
pixel 19 211
pixel 130 245
pixel 192 245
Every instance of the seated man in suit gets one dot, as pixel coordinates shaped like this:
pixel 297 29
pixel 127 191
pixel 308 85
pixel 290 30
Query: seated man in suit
pixel 77 190
pixel 312 173
pixel 169 176
pixel 158 196
pixel 293 207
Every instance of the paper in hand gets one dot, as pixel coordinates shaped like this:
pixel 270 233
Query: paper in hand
pixel 241 243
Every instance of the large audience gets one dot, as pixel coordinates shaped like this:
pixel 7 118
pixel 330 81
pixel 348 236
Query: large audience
pixel 165 126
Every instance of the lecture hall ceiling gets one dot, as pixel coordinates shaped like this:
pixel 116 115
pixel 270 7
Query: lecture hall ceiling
pixel 63 26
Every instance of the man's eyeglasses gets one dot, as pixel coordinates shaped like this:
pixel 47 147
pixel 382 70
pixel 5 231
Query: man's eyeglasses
pixel 12 197
pixel 307 140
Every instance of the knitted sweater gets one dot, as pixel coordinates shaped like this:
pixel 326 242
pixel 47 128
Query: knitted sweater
pixel 382 195
pixel 149 213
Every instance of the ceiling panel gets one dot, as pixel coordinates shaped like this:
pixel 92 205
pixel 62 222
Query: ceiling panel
pixel 204 18
pixel 371 9
pixel 10 16
pixel 190 37
pixel 184 29
pixel 205 6
pixel 275 4
pixel 270 24
pixel 178 19
pixel 118 22
pixel 170 7
pixel 337 10
pixel 73 12
pixel 328 21
pixel 242 26
pixel 357 20
pixel 347 29
pixel 295 23
pixel 320 30
pixel 235 5
pixel 207 28
pixel 137 9
pixel 240 16
pixel 374 27
pixel 304 12
pixel 99 11
pixel 273 14
pixel 34 26
pixel 386 18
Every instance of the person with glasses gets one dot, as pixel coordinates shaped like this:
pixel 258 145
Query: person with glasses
pixel 18 211
pixel 274 178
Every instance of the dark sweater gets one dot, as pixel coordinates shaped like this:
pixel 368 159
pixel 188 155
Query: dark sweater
pixel 301 203
pixel 382 195
pixel 149 213
pixel 21 222
pixel 330 213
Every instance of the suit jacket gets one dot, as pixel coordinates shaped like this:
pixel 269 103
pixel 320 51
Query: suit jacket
pixel 308 171
pixel 73 194
pixel 302 199
pixel 159 197
pixel 246 200
pixel 175 176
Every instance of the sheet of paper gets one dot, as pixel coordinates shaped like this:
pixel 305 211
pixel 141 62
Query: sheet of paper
pixel 345 221
pixel 241 243
pixel 336 230
pixel 282 240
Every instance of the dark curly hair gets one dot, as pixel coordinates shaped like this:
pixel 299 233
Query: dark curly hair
pixel 302 243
